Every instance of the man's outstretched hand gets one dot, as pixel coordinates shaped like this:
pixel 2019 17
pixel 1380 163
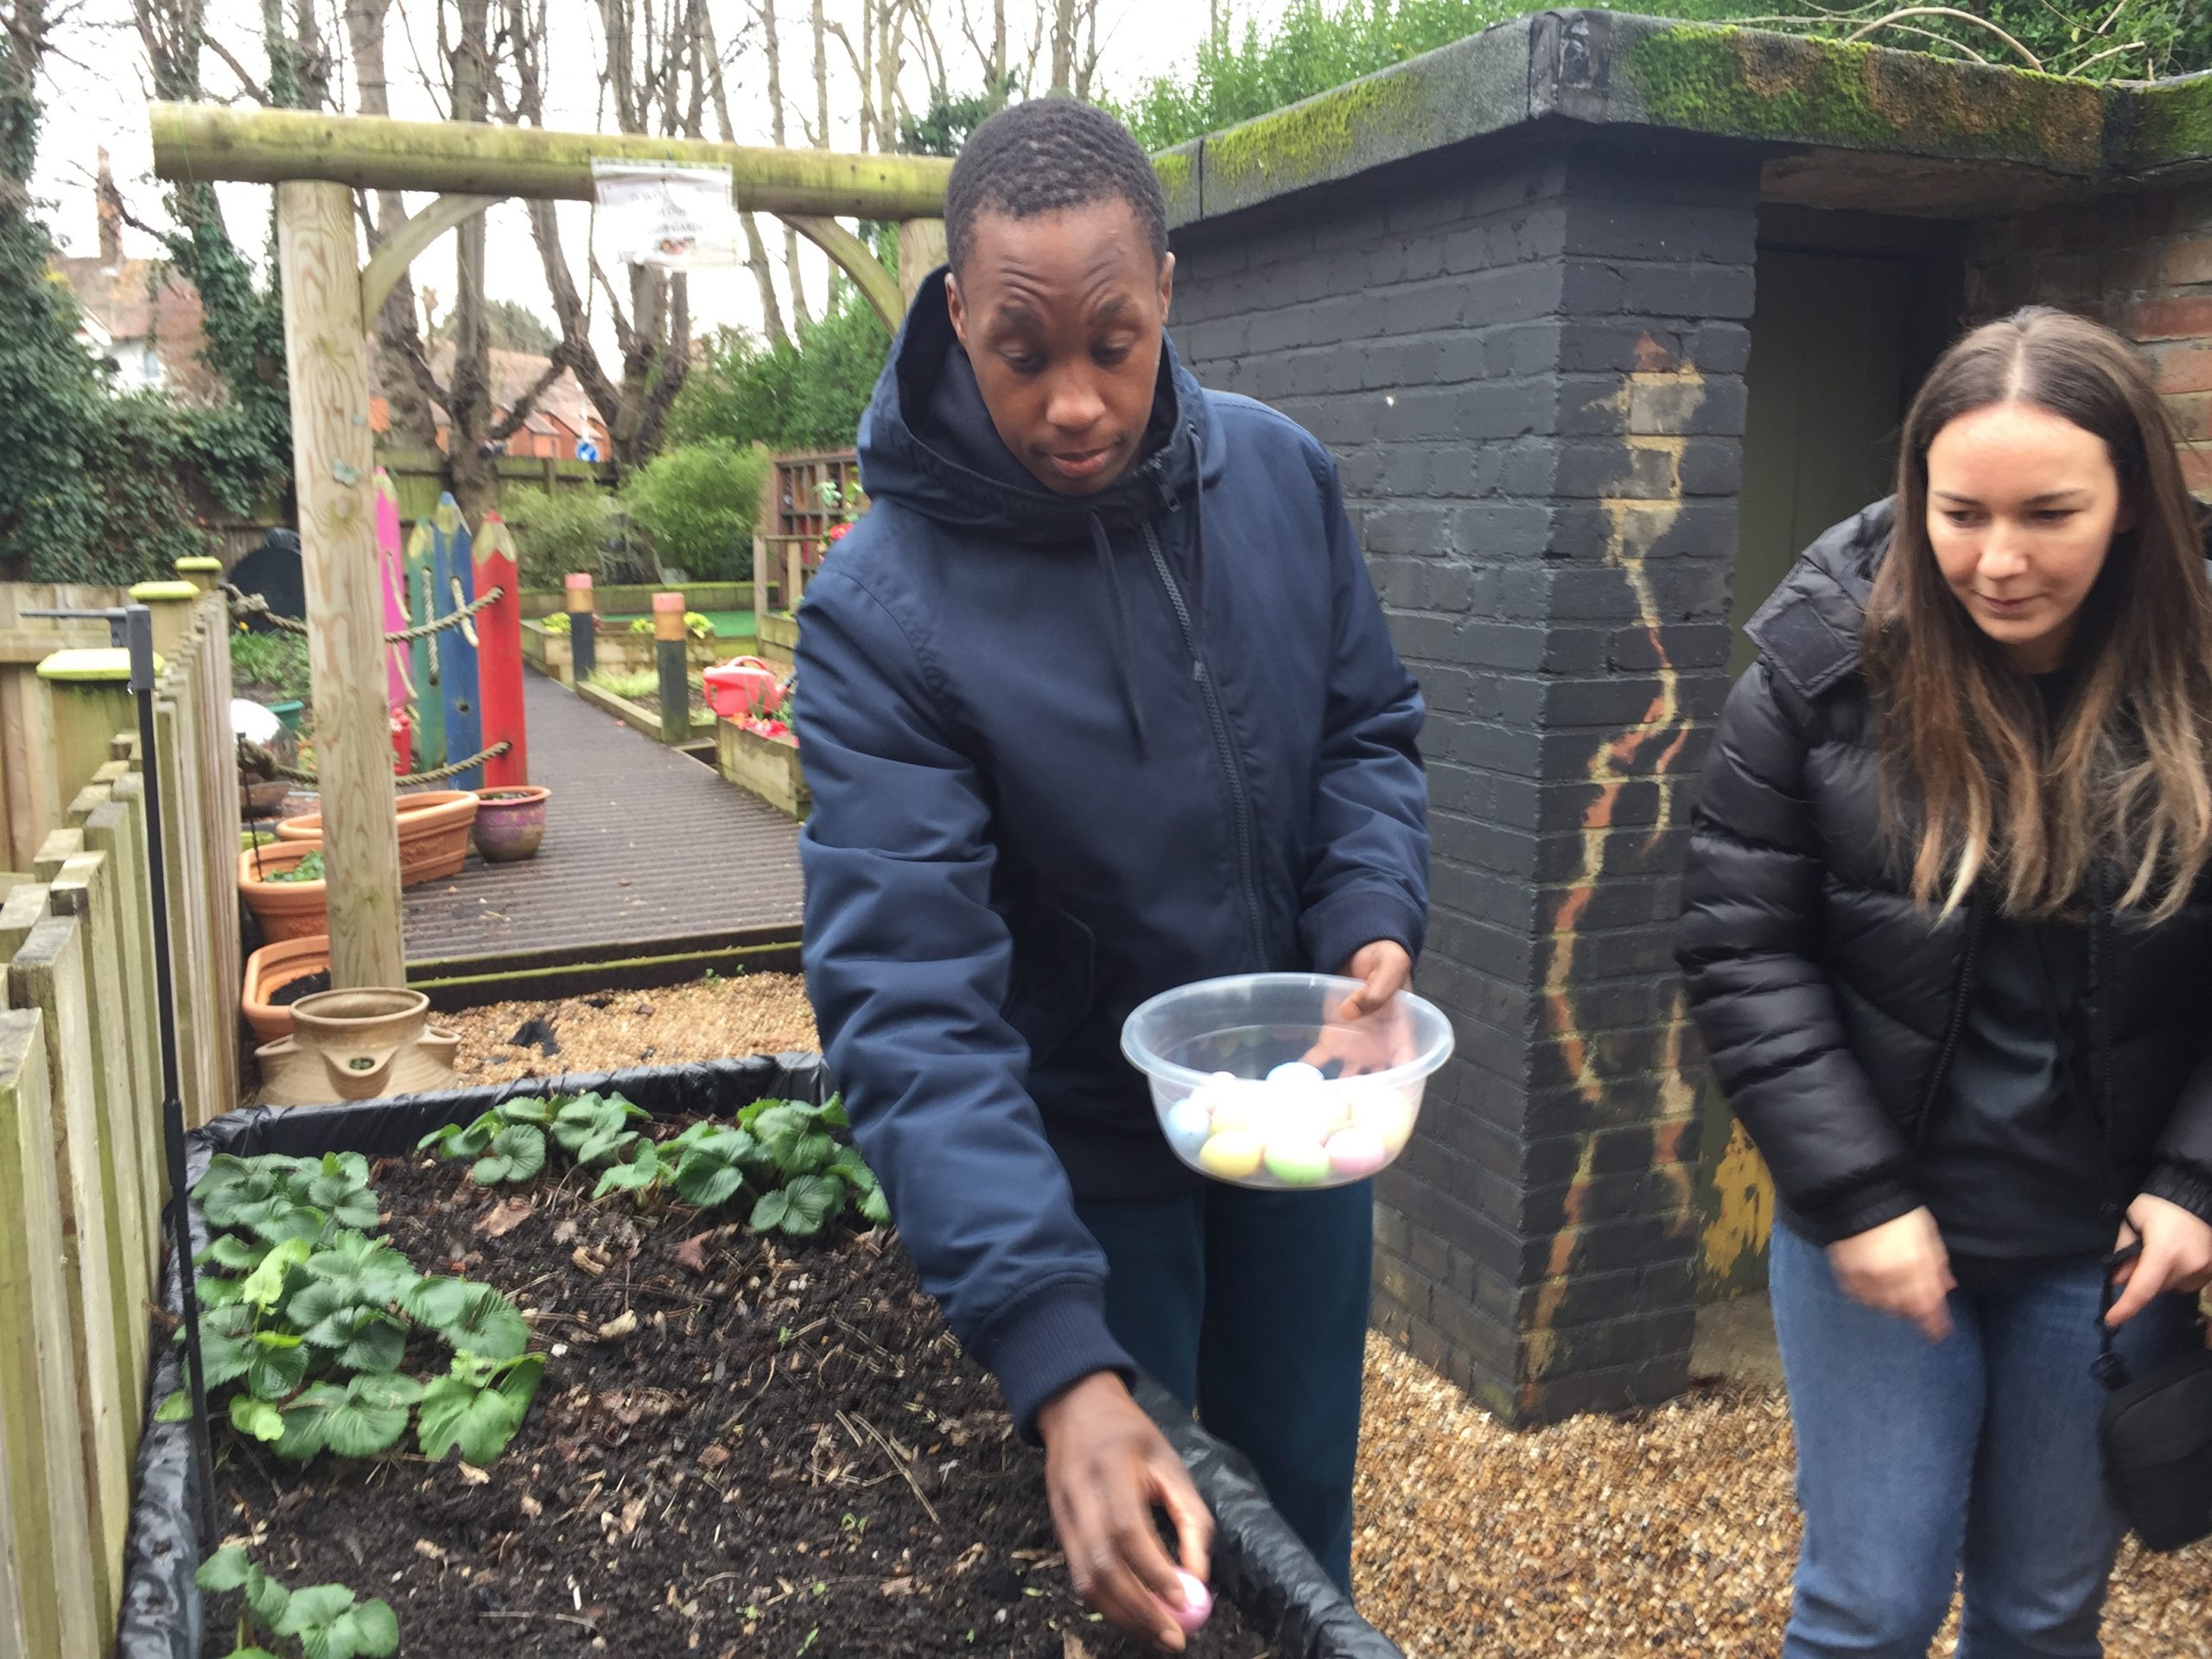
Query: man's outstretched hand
pixel 1106 1467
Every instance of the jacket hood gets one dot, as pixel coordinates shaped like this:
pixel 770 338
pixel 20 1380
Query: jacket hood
pixel 927 442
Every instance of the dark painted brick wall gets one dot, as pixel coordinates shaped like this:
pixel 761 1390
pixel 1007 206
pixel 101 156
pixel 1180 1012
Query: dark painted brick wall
pixel 1530 369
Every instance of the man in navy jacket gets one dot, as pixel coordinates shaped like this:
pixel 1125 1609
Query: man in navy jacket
pixel 1095 702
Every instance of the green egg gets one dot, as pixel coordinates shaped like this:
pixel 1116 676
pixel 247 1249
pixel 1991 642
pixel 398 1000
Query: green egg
pixel 1298 1163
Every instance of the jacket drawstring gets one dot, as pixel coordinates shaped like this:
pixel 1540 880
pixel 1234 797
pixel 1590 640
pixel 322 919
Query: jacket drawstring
pixel 1124 645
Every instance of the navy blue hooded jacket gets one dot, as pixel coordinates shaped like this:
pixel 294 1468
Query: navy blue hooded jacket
pixel 1066 752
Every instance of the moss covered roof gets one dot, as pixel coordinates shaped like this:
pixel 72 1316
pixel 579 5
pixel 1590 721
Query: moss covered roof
pixel 1610 69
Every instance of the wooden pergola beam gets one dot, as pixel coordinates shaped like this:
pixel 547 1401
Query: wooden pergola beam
pixel 204 143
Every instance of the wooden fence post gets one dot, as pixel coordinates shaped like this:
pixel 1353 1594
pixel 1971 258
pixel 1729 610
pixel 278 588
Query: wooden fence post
pixel 671 652
pixel 46 973
pixel 14 1631
pixel 583 628
pixel 332 464
pixel 218 825
pixel 29 795
pixel 110 830
pixel 204 573
pixel 91 692
pixel 921 251
pixel 498 653
pixel 169 604
pixel 38 1404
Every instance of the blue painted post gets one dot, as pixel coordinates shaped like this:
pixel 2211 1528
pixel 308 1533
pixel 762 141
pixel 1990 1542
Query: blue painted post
pixel 456 648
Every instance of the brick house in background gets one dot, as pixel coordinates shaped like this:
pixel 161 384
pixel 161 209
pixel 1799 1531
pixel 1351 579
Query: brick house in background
pixel 562 417
pixel 139 314
pixel 1603 318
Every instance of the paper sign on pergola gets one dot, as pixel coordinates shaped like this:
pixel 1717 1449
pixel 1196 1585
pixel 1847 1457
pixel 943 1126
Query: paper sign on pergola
pixel 331 302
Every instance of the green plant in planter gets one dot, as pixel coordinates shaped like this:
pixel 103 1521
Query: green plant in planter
pixel 309 1320
pixel 308 869
pixel 328 1621
pixel 557 623
pixel 785 1153
pixel 509 1142
pixel 696 625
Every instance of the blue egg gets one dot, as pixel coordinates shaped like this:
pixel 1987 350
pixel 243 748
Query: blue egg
pixel 1188 1125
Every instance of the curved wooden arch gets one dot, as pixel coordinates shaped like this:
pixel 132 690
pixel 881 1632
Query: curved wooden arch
pixel 402 248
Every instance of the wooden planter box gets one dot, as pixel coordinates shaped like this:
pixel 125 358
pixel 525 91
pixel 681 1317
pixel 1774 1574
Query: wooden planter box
pixel 778 637
pixel 622 708
pixel 768 767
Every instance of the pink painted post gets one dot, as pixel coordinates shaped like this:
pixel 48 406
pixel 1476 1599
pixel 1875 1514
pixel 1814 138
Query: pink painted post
pixel 498 656
pixel 395 604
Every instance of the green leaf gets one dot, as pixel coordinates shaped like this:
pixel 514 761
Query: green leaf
pixel 811 1202
pixel 378 1629
pixel 276 1374
pixel 224 1358
pixel 315 1616
pixel 287 1222
pixel 769 1213
pixel 370 1266
pixel 306 1420
pixel 337 1178
pixel 257 1418
pixel 377 1345
pixel 215 1292
pixel 177 1409
pixel 352 1429
pixel 225 1570
pixel 250 1653
pixel 436 1301
pixel 355 1210
pixel 480 1421
pixel 707 1183
pixel 386 1392
pixel 810 1154
pixel 850 1167
pixel 640 1170
pixel 603 1147
pixel 831 1114
pixel 518 1154
pixel 486 1324
pixel 530 1110
pixel 780 1129
pixel 237 1254
pixel 321 1310
pixel 459 1141
pixel 266 1596
pixel 265 1284
pixel 874 1208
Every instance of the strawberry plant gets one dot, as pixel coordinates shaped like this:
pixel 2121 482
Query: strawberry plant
pixel 326 1621
pixel 309 1320
pixel 509 1142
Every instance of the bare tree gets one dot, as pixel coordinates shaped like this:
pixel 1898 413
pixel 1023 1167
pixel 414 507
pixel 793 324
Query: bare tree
pixel 772 48
pixel 650 67
pixel 756 252
pixel 398 344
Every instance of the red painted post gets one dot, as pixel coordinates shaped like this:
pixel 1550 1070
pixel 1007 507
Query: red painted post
pixel 498 656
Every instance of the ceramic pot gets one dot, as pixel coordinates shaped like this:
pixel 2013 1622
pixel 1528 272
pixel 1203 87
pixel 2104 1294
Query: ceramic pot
pixel 267 970
pixel 510 822
pixel 433 829
pixel 359 1045
pixel 286 909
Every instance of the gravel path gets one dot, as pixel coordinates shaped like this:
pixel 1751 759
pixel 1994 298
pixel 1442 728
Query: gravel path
pixel 1666 1535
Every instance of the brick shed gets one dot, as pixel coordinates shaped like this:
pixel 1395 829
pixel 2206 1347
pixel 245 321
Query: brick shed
pixel 1603 318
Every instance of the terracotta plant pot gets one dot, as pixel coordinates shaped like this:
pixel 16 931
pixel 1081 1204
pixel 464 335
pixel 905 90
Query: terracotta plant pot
pixel 286 909
pixel 433 833
pixel 271 968
pixel 357 1044
pixel 510 822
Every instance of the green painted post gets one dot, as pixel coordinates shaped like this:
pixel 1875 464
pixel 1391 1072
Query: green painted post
pixel 669 648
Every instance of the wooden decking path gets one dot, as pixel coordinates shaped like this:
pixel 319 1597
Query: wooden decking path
pixel 647 853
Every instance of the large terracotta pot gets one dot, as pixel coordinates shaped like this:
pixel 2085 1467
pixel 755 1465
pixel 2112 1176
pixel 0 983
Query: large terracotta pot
pixel 510 822
pixel 286 909
pixel 271 968
pixel 358 1045
pixel 433 829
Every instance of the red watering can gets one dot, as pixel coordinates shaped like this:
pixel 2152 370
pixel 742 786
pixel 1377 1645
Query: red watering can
pixel 743 686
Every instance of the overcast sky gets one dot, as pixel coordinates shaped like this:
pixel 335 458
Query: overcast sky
pixel 97 96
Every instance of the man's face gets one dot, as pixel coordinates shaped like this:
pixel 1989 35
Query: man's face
pixel 1061 316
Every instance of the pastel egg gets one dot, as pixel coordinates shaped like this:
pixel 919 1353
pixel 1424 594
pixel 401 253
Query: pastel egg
pixel 1188 1125
pixel 1297 1163
pixel 1234 1105
pixel 1357 1152
pixel 1197 1603
pixel 1385 1111
pixel 1233 1155
pixel 1295 1074
pixel 1297 1117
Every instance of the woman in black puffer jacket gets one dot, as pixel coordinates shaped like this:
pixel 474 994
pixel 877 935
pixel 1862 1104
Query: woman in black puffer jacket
pixel 1947 934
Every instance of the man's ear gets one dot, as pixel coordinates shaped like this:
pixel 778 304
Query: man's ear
pixel 1166 284
pixel 957 308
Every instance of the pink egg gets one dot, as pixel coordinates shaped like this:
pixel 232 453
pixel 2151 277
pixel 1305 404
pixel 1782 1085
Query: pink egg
pixel 1198 1603
pixel 1356 1152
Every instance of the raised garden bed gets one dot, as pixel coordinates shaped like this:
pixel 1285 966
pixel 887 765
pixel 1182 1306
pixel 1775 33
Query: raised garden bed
pixel 766 766
pixel 742 1443
pixel 778 636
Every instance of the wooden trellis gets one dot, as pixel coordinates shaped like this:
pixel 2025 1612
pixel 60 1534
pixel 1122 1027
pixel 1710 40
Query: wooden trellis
pixel 316 162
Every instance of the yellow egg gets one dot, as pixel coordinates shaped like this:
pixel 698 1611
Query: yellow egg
pixel 1383 1112
pixel 1232 1155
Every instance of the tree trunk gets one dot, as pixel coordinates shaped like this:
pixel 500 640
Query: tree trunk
pixel 469 406
pixel 1063 46
pixel 773 46
pixel 397 343
pixel 756 252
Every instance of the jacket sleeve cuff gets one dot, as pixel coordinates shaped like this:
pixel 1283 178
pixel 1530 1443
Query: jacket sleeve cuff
pixel 1053 1339
pixel 2186 1185
pixel 1344 922
pixel 1853 1210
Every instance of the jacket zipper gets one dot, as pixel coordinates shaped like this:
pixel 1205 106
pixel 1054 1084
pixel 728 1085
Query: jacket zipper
pixel 2101 1101
pixel 1222 747
pixel 1977 914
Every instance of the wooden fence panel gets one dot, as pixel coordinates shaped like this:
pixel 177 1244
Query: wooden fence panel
pixel 217 827
pixel 14 1632
pixel 110 830
pixel 51 1517
pixel 188 898
pixel 47 974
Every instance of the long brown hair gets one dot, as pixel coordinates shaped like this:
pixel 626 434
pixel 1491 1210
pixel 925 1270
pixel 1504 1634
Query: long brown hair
pixel 1975 787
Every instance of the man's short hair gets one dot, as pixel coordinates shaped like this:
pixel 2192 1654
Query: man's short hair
pixel 1044 156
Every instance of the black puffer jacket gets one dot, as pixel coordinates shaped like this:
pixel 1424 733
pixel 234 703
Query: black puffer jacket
pixel 1831 1002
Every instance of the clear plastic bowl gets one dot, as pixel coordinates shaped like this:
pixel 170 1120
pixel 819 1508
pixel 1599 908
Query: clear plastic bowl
pixel 1215 1054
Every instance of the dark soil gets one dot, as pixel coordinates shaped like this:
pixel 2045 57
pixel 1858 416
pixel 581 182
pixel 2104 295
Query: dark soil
pixel 744 1472
pixel 702 717
pixel 293 989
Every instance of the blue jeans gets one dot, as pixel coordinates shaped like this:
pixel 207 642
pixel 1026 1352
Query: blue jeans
pixel 1917 1461
pixel 1251 1307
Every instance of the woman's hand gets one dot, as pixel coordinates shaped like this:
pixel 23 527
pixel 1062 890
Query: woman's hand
pixel 2177 1255
pixel 1899 1267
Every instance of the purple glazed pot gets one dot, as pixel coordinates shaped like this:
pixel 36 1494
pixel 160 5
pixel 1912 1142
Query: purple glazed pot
pixel 510 822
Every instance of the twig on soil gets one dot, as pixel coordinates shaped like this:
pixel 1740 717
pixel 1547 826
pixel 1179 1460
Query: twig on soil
pixel 565 1618
pixel 906 1473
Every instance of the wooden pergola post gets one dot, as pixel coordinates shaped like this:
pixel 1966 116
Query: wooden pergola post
pixel 333 470
pixel 921 251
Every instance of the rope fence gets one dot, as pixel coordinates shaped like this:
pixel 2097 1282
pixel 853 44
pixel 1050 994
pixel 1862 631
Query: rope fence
pixel 436 774
pixel 246 604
